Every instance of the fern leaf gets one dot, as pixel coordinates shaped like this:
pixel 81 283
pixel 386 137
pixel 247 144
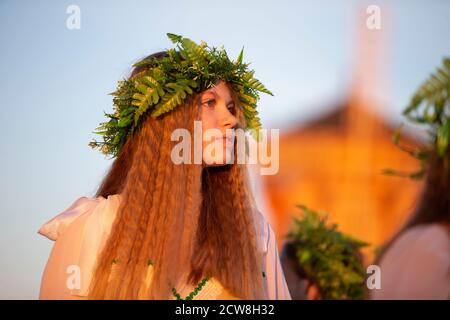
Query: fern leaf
pixel 443 137
pixel 174 38
pixel 240 57
pixel 257 85
pixel 194 52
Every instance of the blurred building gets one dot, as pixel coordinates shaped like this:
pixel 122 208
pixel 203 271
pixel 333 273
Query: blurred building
pixel 335 162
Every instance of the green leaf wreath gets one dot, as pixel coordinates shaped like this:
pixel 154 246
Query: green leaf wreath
pixel 188 68
pixel 429 106
pixel 327 257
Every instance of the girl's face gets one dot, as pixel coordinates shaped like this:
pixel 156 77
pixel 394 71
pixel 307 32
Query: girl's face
pixel 219 113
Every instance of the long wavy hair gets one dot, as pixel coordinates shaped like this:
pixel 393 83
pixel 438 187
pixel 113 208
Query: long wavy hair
pixel 188 219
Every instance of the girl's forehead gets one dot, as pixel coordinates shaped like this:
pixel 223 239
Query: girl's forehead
pixel 219 89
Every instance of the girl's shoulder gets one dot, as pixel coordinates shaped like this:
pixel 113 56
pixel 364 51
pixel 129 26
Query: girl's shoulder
pixel 416 265
pixel 424 243
pixel 430 237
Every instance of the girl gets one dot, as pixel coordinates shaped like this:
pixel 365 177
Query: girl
pixel 160 230
pixel 416 263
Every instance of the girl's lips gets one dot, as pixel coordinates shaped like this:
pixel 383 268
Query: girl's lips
pixel 230 141
pixel 225 138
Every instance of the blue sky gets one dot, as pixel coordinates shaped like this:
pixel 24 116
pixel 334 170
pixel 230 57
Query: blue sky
pixel 55 82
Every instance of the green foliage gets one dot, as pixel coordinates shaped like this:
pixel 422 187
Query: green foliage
pixel 327 257
pixel 429 106
pixel 189 68
pixel 116 130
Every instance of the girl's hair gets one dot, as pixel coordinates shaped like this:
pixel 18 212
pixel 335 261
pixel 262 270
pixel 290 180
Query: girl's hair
pixel 434 203
pixel 189 220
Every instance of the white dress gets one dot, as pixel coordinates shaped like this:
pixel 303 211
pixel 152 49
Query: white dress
pixel 417 265
pixel 81 230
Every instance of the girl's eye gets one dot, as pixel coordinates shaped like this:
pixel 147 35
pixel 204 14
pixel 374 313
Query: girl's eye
pixel 209 102
pixel 232 109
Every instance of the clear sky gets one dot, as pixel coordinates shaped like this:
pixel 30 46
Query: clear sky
pixel 55 83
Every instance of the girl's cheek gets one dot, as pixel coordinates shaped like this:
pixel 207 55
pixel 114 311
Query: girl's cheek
pixel 209 121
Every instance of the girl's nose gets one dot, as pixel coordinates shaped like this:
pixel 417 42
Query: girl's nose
pixel 228 121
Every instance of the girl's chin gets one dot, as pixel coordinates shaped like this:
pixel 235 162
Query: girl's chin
pixel 216 163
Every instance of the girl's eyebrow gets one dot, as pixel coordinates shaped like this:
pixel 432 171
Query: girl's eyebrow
pixel 215 95
pixel 210 92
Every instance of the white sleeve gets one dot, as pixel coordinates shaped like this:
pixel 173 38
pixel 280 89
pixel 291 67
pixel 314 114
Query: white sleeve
pixel 79 233
pixel 275 281
pixel 53 228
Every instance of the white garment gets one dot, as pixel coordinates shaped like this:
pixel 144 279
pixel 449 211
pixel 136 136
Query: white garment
pixel 417 265
pixel 81 230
